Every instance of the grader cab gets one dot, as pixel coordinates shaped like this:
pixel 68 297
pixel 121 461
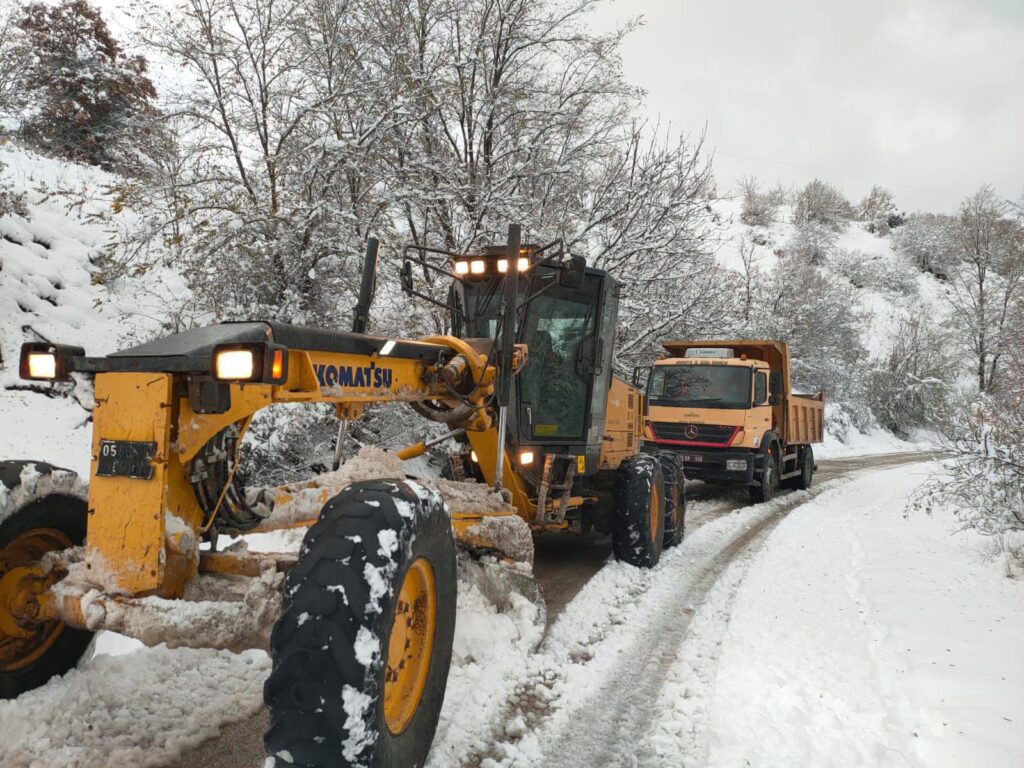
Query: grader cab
pixel 360 621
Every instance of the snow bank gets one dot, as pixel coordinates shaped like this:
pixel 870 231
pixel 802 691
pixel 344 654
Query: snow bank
pixel 491 650
pixel 875 440
pixel 859 637
pixel 131 711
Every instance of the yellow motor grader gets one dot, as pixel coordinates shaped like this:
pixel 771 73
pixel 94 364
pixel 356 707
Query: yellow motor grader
pixel 360 621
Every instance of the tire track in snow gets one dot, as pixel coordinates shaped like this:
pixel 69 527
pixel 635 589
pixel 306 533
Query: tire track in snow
pixel 587 704
pixel 590 696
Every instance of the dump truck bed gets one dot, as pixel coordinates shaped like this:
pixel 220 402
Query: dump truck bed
pixel 805 419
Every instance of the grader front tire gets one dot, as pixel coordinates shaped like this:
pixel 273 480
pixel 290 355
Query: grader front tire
pixel 42 509
pixel 362 650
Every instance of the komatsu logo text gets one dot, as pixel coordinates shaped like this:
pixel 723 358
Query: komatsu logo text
pixel 354 376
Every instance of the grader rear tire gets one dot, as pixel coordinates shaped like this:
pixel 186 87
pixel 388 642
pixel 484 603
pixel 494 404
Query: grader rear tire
pixel 42 509
pixel 362 650
pixel 638 528
pixel 675 499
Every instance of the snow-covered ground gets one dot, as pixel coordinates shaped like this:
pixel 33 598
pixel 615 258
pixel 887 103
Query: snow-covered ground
pixel 856 636
pixel 823 628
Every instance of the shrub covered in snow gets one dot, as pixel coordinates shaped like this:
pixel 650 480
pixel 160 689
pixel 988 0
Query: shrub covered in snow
pixel 928 240
pixel 759 208
pixel 812 241
pixel 984 481
pixel 876 271
pixel 821 203
pixel 878 211
pixel 911 384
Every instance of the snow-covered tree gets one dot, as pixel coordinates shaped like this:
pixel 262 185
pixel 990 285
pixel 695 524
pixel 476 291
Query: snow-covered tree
pixel 273 189
pixel 816 313
pixel 821 203
pixel 759 209
pixel 813 241
pixel 84 97
pixel 878 211
pixel 929 240
pixel 911 384
pixel 987 285
pixel 306 127
pixel 12 64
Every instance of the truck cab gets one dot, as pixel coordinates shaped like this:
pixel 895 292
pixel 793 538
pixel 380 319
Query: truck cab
pixel 727 409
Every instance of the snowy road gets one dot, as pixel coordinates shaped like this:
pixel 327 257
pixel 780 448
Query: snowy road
pixel 615 634
pixel 822 628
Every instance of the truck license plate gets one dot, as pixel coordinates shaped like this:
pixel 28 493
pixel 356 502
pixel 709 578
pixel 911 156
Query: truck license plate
pixel 126 458
pixel 691 459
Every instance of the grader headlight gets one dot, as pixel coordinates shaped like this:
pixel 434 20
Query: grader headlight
pixel 42 365
pixel 235 365
pixel 257 363
pixel 47 362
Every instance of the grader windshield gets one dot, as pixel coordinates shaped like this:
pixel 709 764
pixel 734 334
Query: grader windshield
pixel 559 325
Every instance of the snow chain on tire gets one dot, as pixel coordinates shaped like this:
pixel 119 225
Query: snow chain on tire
pixel 338 694
pixel 675 499
pixel 639 522
pixel 42 508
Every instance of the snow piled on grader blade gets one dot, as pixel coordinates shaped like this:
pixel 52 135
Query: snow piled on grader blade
pixel 496 544
pixel 498 530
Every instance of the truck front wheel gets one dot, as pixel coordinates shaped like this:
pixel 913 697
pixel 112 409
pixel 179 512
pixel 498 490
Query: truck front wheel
pixel 767 485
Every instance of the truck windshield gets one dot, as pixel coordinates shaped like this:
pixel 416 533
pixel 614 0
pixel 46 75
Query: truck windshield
pixel 700 386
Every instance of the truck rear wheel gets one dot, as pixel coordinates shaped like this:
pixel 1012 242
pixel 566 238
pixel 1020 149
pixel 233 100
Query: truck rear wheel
pixel 638 529
pixel 767 485
pixel 675 499
pixel 42 510
pixel 362 650
pixel 803 481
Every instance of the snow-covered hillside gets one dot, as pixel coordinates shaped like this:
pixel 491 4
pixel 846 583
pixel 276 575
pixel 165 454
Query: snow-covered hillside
pixel 889 289
pixel 49 267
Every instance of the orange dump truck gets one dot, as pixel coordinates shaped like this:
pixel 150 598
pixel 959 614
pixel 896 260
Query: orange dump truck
pixel 727 408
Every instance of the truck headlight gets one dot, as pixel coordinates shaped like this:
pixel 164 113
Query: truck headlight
pixel 42 365
pixel 737 465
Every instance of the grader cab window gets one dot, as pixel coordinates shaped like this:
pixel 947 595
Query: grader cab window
pixel 558 326
pixel 553 387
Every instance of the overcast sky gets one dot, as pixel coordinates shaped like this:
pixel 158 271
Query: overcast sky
pixel 925 97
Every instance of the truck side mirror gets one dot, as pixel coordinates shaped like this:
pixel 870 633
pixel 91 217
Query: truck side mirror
pixel 640 375
pixel 571 275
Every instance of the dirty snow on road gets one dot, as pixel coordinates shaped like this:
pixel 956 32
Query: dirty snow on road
pixel 824 627
pixel 861 637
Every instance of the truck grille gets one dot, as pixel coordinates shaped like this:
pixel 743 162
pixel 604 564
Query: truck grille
pixel 693 433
